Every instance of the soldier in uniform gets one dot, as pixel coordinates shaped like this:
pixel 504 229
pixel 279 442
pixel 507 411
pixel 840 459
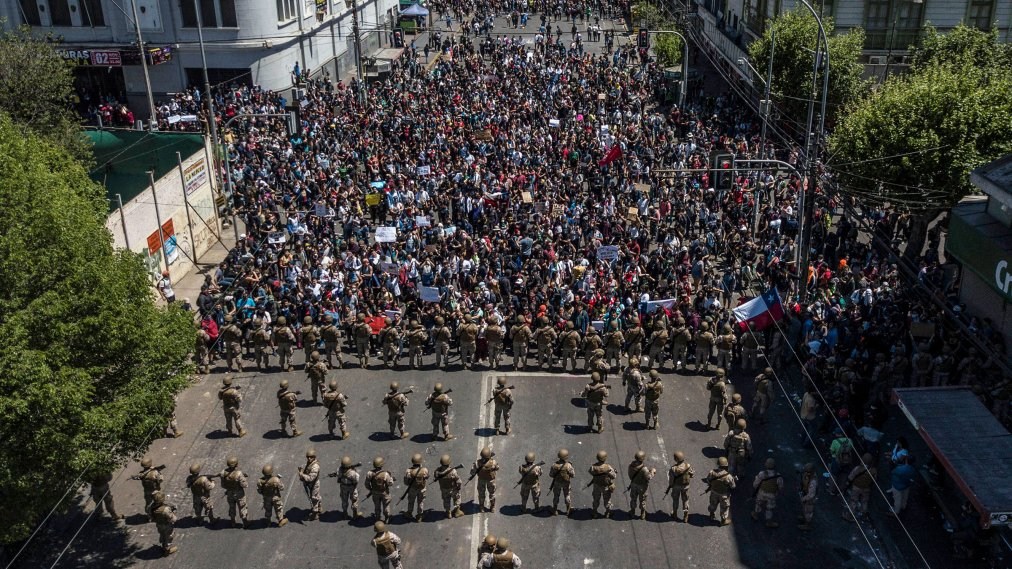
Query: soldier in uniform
pixel 231 334
pixel 449 487
pixel 331 335
pixel 545 337
pixel 485 468
pixel 734 410
pixel 653 390
pixel 261 341
pixel 347 480
pixel 923 365
pixel 417 337
pixel 309 475
pixel 468 335
pixel 763 394
pixel 233 481
pixel 362 333
pixel 860 480
pixel 271 487
pixel 570 343
pixel 388 547
pixel 767 485
pixel 287 402
pixel 200 487
pixel 632 379
pixel 704 347
pixel 808 493
pixel 494 334
pixel 562 474
pixel 718 397
pixel 284 339
pixel 613 343
pixel 317 370
pixel 635 338
pixel 416 478
pixel 310 334
pixel 151 481
pixel 102 496
pixel 503 558
pixel 336 403
pixel 487 547
pixel 658 341
pixel 379 482
pixel 442 335
pixel 439 404
pixel 164 517
pixel 591 344
pixel 599 365
pixel 738 445
pixel 530 483
pixel 596 394
pixel 231 398
pixel 719 483
pixel 725 346
pixel 396 404
pixel 680 338
pixel 679 477
pixel 202 352
pixel 391 343
pixel 521 336
pixel 502 397
pixel 640 476
pixel 603 480
pixel 749 348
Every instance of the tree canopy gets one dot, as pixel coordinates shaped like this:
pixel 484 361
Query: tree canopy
pixel 969 46
pixel 90 363
pixel 667 47
pixel 797 36
pixel 37 90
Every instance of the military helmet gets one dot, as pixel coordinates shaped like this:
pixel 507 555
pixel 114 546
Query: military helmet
pixel 311 453
pixel 360 317
pixel 569 325
pixel 598 353
pixel 283 384
pixel 394 386
pixel 530 457
pixel 232 461
pixel 439 321
pixel 377 462
pixel 679 456
pixel 680 321
pixel 501 381
pixel 736 398
pixel 770 463
pixel 563 453
pixel 267 470
pixel 602 455
pixel 146 462
pixel 486 452
pixel 722 462
pixel 768 371
pixel 704 326
pixel 654 374
pixel 467 318
pixel 502 543
pixel 658 325
pixel 438 388
pixel 489 540
pixel 721 372
pixel 307 320
pixel 332 385
pixel 444 460
pixel 379 527
pixel 591 331
pixel 809 467
pixel 727 328
pixel 158 497
pixel 595 377
pixel 416 458
pixel 741 424
pixel 226 381
pixel 543 321
pixel 346 462
pixel 195 468
pixel 415 324
pixel 282 321
pixel 641 456
pixel 634 361
pixel 315 356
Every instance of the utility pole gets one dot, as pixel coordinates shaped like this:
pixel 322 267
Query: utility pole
pixel 212 122
pixel 358 50
pixel 153 120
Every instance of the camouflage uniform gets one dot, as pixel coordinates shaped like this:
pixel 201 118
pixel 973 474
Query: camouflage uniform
pixel 562 474
pixel 233 481
pixel 604 477
pixel 271 488
pixel 521 335
pixel 336 403
pixel 596 395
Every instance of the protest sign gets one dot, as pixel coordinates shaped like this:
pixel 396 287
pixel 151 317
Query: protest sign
pixel 386 234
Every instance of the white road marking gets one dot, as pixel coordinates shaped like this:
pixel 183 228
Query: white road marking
pixel 479 522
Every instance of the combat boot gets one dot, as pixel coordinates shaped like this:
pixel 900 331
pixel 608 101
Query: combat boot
pixel 171 549
pixel 449 437
pixel 282 522
pixel 313 516
pixel 345 435
pixel 491 505
pixel 685 517
pixel 404 434
pixel 419 517
pixel 555 511
pixel 296 433
pixel 725 522
pixel 643 514
pixel 449 514
pixel 458 513
pixel 356 513
pixel 607 513
pixel 242 433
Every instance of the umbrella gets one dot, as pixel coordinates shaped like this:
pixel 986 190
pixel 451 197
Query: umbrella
pixel 414 10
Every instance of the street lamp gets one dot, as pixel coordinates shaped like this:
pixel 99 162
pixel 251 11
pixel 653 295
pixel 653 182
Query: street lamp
pixel 685 65
pixel 892 34
pixel 212 121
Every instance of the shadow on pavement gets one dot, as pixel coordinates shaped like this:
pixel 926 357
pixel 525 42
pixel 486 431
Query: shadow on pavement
pixel 697 426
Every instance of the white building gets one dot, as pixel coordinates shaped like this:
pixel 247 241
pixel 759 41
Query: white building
pixel 258 41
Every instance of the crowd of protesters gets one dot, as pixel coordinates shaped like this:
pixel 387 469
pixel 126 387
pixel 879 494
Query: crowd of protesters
pixel 532 180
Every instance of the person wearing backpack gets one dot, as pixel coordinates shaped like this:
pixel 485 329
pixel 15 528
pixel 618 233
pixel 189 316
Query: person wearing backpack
pixel 842 452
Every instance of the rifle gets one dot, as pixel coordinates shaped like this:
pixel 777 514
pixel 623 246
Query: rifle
pixel 484 461
pixel 158 468
pixel 414 477
pixel 491 399
pixel 369 495
pixel 438 477
pixel 447 392
pixel 542 463
pixel 666 491
pixel 336 474
pixel 755 492
pixel 389 396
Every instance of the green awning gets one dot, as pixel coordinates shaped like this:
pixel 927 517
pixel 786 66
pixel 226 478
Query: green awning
pixel 982 244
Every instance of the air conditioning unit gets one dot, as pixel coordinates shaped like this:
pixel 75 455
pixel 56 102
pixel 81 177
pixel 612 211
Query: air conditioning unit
pixel 876 60
pixel 907 59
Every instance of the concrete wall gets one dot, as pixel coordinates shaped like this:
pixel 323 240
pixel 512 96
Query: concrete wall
pixel 194 235
pixel 983 302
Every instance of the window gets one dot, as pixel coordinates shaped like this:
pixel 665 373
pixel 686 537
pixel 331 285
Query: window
pixel 876 24
pixel 93 15
pixel 30 12
pixel 287 10
pixel 978 14
pixel 59 11
pixel 227 9
pixel 826 8
pixel 213 13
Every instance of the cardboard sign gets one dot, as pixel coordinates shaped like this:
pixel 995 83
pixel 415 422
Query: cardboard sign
pixel 422 221
pixel 558 209
pixel 386 234
pixel 607 252
pixel 598 325
pixel 429 293
pixel 276 237
pixel 373 199
pixel 423 170
pixel 526 196
pixel 634 213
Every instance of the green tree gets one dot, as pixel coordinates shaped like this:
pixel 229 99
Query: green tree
pixel 797 36
pixel 966 45
pixel 37 90
pixel 668 48
pixel 646 15
pixel 89 363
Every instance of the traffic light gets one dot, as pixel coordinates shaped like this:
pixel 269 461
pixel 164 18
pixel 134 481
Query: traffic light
pixel 643 40
pixel 723 166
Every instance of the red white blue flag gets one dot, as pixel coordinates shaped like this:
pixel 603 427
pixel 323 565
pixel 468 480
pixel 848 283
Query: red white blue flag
pixel 762 311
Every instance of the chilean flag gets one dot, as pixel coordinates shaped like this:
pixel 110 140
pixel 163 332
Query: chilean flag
pixel 613 154
pixel 761 311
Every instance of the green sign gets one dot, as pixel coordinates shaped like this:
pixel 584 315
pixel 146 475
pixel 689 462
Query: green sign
pixel 975 241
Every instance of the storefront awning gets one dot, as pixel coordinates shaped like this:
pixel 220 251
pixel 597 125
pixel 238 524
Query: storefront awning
pixel 974 448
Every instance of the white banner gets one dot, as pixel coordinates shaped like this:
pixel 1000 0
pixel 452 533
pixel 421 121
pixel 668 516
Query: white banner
pixel 653 305
pixel 429 293
pixel 422 221
pixel 276 237
pixel 607 252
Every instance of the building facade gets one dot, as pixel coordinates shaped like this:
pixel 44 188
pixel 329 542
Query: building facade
pixel 890 26
pixel 255 41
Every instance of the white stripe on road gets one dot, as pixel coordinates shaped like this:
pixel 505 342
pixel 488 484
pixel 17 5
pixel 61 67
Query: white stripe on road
pixel 479 521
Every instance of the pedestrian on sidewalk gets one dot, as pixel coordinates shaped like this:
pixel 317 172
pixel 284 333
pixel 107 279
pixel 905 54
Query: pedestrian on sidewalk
pixel 902 478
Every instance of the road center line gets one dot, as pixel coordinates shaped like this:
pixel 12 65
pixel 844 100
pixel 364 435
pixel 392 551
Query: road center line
pixel 484 419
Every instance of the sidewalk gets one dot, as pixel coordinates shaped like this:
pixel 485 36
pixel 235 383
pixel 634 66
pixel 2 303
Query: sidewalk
pixel 188 287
